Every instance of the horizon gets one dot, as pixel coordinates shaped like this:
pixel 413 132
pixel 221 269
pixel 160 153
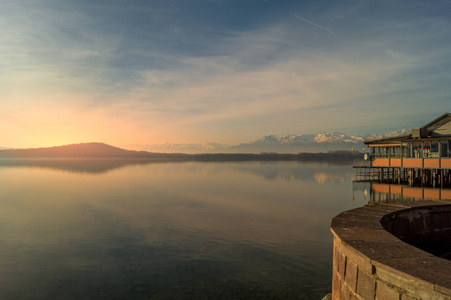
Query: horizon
pixel 102 150
pixel 215 72
pixel 324 145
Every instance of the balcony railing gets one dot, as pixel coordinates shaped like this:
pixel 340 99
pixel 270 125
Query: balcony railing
pixel 362 163
pixel 414 149
pixel 424 154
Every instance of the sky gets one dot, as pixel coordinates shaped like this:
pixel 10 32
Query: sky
pixel 133 73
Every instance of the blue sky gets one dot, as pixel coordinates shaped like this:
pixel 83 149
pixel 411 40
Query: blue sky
pixel 153 72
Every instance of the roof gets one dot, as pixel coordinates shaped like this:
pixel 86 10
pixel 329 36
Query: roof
pixel 431 126
pixel 440 121
pixel 391 140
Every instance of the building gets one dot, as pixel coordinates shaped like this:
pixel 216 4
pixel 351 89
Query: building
pixel 424 156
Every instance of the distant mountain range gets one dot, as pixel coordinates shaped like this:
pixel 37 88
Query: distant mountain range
pixel 268 145
pixel 319 142
pixel 99 151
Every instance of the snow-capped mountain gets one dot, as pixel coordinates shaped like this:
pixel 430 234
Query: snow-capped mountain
pixel 318 142
pixel 325 141
pixel 324 137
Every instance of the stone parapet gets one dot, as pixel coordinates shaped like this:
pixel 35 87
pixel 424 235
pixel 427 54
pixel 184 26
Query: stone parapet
pixel 369 262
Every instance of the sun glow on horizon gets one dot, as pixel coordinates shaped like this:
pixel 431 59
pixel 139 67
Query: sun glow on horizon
pixel 136 75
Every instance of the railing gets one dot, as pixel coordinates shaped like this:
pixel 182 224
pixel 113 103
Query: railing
pixel 362 163
pixel 420 154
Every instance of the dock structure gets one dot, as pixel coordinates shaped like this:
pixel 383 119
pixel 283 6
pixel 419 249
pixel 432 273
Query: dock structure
pixel 422 157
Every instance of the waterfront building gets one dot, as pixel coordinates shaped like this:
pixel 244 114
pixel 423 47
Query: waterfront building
pixel 423 156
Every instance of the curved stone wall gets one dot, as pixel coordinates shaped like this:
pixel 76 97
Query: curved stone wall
pixel 420 226
pixel 371 263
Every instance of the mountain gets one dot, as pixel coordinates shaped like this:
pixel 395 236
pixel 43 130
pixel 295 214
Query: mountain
pixel 318 142
pixel 326 141
pixel 75 150
pixel 100 151
pixel 300 143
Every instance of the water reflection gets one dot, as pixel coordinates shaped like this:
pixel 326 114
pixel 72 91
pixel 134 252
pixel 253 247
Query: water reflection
pixel 376 192
pixel 329 172
pixel 75 165
pixel 319 172
pixel 323 177
pixel 168 230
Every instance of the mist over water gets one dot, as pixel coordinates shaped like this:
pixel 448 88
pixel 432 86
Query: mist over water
pixel 250 230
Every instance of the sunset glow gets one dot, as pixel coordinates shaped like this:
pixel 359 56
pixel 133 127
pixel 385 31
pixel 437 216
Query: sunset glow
pixel 134 74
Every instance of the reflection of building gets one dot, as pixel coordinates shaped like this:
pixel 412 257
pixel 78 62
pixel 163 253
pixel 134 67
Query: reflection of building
pixel 322 177
pixel 423 156
pixel 383 192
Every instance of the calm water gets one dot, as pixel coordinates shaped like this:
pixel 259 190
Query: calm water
pixel 133 230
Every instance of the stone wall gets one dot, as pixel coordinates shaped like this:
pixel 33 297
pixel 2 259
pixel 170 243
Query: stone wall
pixel 371 263
pixel 429 223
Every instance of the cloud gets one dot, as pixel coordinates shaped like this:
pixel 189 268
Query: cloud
pixel 220 89
pixel 173 75
pixel 310 22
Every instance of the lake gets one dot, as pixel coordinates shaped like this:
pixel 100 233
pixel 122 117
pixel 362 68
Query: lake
pixel 113 229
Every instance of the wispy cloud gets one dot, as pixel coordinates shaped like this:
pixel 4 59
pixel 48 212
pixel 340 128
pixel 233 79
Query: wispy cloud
pixel 174 74
pixel 303 19
pixel 310 22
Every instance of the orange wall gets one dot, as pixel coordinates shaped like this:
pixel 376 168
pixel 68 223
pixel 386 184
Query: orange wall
pixel 431 163
pixel 380 162
pixel 411 162
pixel 395 162
pixel 446 163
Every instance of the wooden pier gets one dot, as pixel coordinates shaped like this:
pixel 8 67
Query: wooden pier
pixel 427 177
pixel 420 158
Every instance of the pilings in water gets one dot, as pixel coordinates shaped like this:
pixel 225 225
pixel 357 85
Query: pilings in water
pixel 411 176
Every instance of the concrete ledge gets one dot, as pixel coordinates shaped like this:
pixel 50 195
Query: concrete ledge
pixel 369 262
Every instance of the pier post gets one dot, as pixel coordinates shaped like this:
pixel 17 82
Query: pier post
pixel 434 178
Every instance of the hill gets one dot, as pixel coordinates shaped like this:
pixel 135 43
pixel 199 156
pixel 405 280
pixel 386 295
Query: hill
pixel 101 150
pixel 75 150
